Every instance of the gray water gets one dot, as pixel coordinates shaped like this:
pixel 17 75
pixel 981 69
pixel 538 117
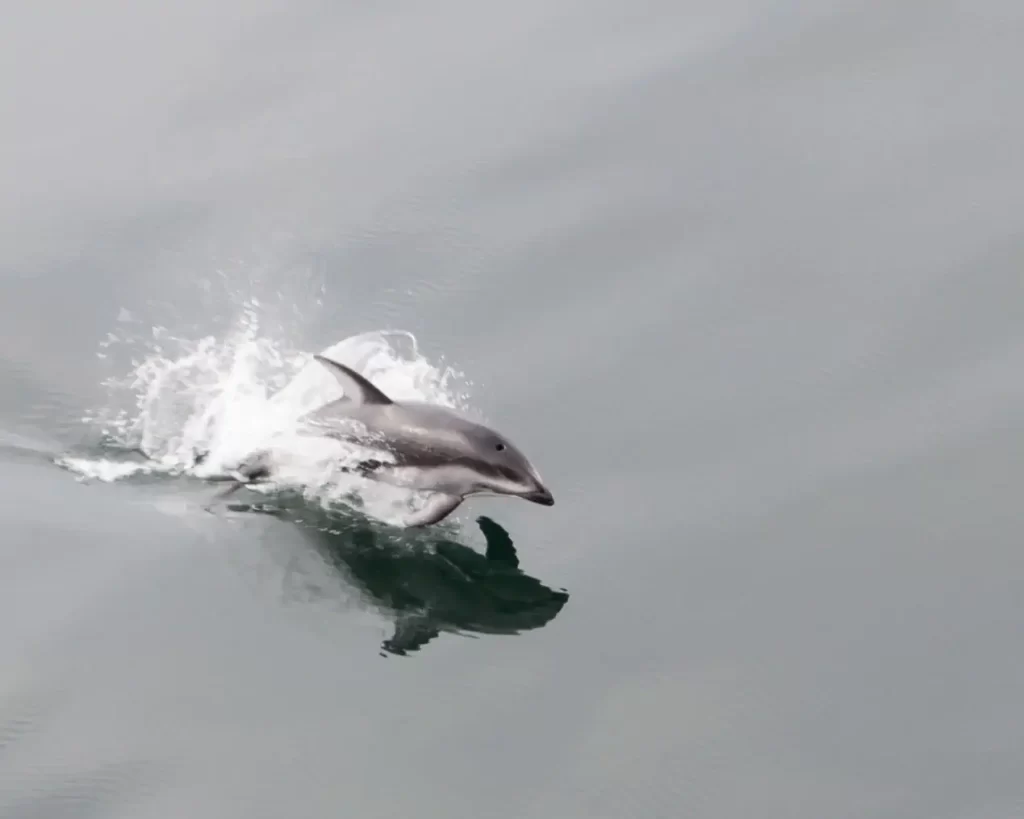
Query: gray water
pixel 745 280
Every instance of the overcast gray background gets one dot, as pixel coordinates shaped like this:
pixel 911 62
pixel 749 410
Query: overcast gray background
pixel 745 278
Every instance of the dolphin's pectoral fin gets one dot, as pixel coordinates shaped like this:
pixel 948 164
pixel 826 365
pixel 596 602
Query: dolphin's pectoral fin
pixel 356 387
pixel 436 509
pixel 412 632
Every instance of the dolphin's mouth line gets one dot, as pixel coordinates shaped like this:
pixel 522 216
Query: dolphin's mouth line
pixel 542 496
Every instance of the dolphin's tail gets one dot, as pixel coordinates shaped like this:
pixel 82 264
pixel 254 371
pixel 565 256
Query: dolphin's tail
pixel 222 495
pixel 238 481
pixel 256 471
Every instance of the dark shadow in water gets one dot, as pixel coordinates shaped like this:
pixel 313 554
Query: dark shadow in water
pixel 425 580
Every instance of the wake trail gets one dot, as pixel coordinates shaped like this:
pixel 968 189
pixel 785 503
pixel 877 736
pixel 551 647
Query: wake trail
pixel 202 407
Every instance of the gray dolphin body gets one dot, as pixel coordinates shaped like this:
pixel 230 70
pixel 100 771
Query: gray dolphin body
pixel 432 448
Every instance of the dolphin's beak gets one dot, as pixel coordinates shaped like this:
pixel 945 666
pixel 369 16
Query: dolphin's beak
pixel 541 495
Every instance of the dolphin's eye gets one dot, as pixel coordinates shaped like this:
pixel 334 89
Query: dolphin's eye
pixel 499 447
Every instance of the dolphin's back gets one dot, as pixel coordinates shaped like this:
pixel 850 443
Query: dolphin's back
pixel 415 433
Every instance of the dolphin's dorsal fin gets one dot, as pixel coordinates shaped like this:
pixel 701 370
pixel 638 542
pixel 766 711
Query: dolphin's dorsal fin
pixel 357 388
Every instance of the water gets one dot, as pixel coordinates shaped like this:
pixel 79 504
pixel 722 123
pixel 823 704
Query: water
pixel 743 279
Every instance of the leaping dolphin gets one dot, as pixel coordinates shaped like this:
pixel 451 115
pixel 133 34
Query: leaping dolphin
pixel 434 449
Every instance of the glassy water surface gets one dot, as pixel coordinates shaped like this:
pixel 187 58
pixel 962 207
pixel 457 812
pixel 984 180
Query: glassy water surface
pixel 742 279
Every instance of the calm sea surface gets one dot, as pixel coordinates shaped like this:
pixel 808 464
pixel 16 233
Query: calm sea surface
pixel 744 279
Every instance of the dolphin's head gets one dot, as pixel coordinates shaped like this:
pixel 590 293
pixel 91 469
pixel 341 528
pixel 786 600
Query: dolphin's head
pixel 504 469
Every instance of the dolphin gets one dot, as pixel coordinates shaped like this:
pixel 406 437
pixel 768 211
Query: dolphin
pixel 431 449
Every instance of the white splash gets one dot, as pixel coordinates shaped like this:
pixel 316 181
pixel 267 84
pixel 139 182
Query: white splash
pixel 231 398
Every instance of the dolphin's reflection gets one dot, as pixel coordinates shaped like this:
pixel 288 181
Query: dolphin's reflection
pixel 427 582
